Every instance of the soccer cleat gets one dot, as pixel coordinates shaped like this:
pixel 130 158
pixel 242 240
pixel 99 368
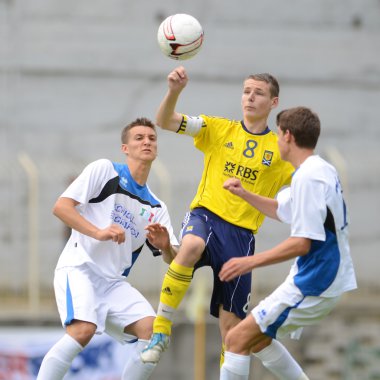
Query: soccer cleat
pixel 152 352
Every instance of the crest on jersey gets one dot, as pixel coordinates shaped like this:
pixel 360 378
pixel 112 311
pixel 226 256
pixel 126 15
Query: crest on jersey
pixel 267 158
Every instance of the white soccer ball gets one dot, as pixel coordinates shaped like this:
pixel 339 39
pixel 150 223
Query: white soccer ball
pixel 180 36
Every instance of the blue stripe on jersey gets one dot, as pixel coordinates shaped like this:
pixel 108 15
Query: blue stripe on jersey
pixel 318 268
pixel 135 255
pixel 128 184
pixel 69 304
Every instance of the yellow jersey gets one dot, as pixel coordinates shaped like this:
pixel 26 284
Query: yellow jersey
pixel 230 150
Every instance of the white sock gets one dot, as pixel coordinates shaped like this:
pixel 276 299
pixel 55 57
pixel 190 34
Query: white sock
pixel 135 369
pixel 58 359
pixel 235 367
pixel 278 360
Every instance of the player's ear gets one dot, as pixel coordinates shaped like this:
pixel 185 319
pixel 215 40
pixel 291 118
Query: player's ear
pixel 274 102
pixel 124 148
pixel 288 136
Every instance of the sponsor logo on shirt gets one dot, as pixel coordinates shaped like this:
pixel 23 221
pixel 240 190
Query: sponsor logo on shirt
pixel 241 171
pixel 124 217
pixel 229 145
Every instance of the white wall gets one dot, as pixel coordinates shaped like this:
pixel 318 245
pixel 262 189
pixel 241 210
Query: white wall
pixel 73 73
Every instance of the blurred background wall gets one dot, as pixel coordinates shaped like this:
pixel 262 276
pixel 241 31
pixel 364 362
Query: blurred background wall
pixel 73 73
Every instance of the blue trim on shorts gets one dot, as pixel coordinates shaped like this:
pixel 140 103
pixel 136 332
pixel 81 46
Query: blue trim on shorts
pixel 69 304
pixel 272 329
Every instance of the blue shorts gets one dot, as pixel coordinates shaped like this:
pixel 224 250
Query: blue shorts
pixel 223 242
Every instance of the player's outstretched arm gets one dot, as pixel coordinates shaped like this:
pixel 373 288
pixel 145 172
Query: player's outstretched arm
pixel 158 236
pixel 286 250
pixel 65 209
pixel 267 206
pixel 167 117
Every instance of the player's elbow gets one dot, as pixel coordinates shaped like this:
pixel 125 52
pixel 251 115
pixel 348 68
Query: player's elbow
pixel 161 123
pixel 304 246
pixel 169 122
pixel 56 208
pixel 62 206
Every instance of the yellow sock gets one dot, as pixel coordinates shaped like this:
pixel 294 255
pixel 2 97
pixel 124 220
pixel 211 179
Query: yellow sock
pixel 222 355
pixel 174 287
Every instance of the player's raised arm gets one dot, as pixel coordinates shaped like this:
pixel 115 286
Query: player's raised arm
pixel 267 206
pixel 167 117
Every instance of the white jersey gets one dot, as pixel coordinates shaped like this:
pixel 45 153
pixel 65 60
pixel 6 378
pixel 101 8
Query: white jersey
pixel 315 207
pixel 108 194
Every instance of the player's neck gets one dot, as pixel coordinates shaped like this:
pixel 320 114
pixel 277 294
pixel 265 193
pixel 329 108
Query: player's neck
pixel 256 126
pixel 139 171
pixel 300 157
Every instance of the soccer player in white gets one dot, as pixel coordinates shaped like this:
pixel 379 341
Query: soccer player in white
pixel 323 269
pixel 112 213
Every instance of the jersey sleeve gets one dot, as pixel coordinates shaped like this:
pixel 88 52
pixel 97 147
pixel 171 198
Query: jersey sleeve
pixel 213 130
pixel 308 208
pixel 90 182
pixel 284 209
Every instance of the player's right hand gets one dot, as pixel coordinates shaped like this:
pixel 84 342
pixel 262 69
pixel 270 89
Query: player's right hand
pixel 234 186
pixel 114 232
pixel 177 79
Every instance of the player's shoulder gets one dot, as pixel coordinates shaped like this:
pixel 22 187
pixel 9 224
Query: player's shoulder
pixel 155 200
pixel 316 163
pixel 220 124
pixel 101 162
pixel 218 119
pixel 270 134
pixel 103 169
pixel 315 168
pixel 98 165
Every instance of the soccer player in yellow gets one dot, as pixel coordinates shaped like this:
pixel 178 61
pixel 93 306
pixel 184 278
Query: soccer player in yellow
pixel 220 225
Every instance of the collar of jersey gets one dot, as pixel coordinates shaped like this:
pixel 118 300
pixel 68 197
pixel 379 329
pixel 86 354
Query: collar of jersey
pixel 264 132
pixel 126 180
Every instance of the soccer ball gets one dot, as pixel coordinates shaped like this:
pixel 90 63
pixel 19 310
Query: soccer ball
pixel 180 36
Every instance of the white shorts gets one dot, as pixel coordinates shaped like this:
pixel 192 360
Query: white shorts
pixel 110 305
pixel 286 311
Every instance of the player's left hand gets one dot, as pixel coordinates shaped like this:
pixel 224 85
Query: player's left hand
pixel 158 236
pixel 235 267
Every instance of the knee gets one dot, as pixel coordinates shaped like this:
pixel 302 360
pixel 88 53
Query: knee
pixel 262 343
pixel 82 332
pixel 191 250
pixel 146 332
pixel 232 341
pixel 245 336
pixel 142 328
pixel 228 340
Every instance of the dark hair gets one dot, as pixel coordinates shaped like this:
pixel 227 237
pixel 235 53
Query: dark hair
pixel 140 121
pixel 303 124
pixel 278 117
pixel 274 87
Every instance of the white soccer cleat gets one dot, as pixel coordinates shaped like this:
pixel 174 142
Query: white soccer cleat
pixel 152 352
